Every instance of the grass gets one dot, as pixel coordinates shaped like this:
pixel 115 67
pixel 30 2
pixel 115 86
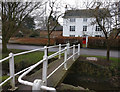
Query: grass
pixel 22 61
pixel 32 57
pixel 25 60
pixel 84 45
pixel 3 77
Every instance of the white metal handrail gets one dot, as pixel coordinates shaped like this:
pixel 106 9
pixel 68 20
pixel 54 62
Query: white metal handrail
pixel 43 83
pixel 11 62
pixel 49 57
pixel 25 52
pixel 4 59
pixel 25 73
pixel 62 63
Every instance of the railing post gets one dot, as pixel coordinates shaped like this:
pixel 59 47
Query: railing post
pixel 68 49
pixel 37 85
pixel 59 50
pixel 12 71
pixel 65 58
pixel 74 52
pixel 45 64
pixel 86 41
pixel 78 49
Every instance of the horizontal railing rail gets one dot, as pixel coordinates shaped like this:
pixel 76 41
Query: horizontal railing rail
pixel 43 82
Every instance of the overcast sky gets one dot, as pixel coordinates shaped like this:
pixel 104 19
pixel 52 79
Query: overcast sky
pixel 79 4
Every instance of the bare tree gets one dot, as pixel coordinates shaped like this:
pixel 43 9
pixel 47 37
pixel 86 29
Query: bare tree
pixel 13 15
pixel 52 18
pixel 106 16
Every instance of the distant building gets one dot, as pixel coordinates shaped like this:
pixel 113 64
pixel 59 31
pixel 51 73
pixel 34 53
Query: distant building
pixel 77 23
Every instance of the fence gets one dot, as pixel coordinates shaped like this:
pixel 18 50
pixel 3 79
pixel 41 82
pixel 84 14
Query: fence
pixel 39 84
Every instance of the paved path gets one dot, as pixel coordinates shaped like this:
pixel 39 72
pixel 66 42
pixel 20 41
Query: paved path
pixel 54 80
pixel 84 51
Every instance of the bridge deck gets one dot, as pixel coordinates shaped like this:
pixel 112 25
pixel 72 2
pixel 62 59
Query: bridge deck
pixel 55 79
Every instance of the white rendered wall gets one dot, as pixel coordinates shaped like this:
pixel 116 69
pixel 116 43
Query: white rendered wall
pixel 79 23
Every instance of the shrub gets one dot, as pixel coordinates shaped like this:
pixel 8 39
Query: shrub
pixel 71 40
pixel 32 41
pixel 34 34
pixel 19 35
pixel 100 42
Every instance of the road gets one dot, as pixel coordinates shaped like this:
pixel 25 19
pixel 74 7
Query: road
pixel 84 51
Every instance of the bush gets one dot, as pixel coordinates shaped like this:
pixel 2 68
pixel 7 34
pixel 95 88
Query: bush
pixel 33 41
pixel 71 40
pixel 34 34
pixel 19 35
pixel 100 42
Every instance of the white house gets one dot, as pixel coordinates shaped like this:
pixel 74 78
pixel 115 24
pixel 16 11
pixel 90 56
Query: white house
pixel 77 23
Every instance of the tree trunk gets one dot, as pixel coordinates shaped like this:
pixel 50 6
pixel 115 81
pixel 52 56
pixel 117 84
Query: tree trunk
pixel 48 40
pixel 108 50
pixel 4 46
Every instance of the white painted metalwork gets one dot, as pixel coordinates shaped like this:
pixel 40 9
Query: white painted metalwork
pixel 68 46
pixel 12 71
pixel 25 52
pixel 74 52
pixel 59 51
pixel 86 41
pixel 78 49
pixel 40 84
pixel 45 65
pixel 4 59
pixel 65 58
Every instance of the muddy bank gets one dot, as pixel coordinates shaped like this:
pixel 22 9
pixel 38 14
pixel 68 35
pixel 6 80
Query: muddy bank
pixel 97 75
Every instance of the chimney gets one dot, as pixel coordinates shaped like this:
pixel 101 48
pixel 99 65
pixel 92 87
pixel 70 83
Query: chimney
pixel 66 8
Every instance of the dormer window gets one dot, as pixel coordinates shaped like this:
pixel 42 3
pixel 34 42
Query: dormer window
pixel 72 19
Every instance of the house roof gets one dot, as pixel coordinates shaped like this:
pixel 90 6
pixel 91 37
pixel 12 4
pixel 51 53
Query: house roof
pixel 83 13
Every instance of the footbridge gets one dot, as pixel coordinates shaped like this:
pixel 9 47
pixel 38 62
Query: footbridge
pixel 49 76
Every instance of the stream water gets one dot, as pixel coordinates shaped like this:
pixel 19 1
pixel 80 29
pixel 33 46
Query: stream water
pixel 93 77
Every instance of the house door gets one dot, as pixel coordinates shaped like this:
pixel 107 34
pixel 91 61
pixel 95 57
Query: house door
pixel 84 40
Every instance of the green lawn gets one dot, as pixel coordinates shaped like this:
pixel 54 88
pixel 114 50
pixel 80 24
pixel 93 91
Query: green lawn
pixel 32 57
pixel 25 60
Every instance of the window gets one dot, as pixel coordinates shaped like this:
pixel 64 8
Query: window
pixel 72 28
pixel 97 35
pixel 72 20
pixel 84 28
pixel 98 28
pixel 84 19
pixel 72 35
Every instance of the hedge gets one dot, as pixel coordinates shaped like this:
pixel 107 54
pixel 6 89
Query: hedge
pixel 32 41
pixel 71 40
pixel 100 42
